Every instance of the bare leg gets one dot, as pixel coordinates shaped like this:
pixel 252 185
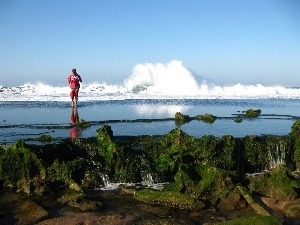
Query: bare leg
pixel 75 101
pixel 76 97
pixel 72 93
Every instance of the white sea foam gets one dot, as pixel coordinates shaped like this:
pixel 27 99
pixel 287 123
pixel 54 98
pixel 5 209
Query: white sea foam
pixel 150 81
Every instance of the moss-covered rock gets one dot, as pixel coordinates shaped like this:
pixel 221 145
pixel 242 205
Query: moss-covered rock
pixel 295 129
pixel 255 152
pixel 206 151
pixel 259 209
pixel 79 200
pixel 278 183
pixel 21 169
pixel 206 118
pixel 105 134
pixel 169 198
pixel 45 138
pixel 29 212
pixel 238 119
pixel 295 134
pixel 205 182
pixel 233 201
pixel 204 168
pixel 252 113
pixel 181 118
pixel 173 149
pixel 84 124
pixel 228 155
pixel 66 172
pixel 121 163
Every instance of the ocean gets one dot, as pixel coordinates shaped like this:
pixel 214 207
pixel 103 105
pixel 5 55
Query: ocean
pixel 145 103
pixel 32 110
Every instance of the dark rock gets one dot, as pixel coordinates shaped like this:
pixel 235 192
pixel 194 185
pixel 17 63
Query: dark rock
pixel 28 212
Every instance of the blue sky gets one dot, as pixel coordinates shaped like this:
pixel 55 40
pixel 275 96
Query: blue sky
pixel 223 41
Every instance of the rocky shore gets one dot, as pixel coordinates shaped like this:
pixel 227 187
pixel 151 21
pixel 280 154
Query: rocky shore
pixel 227 180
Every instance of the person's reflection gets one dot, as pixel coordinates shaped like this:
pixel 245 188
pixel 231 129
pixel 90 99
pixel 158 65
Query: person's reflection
pixel 75 129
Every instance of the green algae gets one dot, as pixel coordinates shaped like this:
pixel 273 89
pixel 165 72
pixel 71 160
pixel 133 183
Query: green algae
pixel 20 168
pixel 228 156
pixel 169 198
pixel 238 119
pixel 45 138
pixel 249 198
pixel 255 153
pixel 80 200
pixel 207 169
pixel 295 133
pixel 252 113
pixel 84 124
pixel 206 118
pixel 205 182
pixel 278 183
pixel 181 119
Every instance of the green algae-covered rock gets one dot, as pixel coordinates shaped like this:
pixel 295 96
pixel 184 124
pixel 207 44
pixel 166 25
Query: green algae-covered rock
pixel 207 149
pixel 265 152
pixel 278 183
pixel 228 156
pixel 28 212
pixel 206 118
pixel 297 153
pixel 259 209
pixel 253 113
pixel 79 200
pixel 169 198
pixel 41 168
pixel 238 119
pixel 45 138
pixel 255 152
pixel 21 169
pixel 196 166
pixel 278 149
pixel 232 202
pixel 105 134
pixel 66 172
pixel 295 129
pixel 84 124
pixel 181 117
pixel 173 148
pixel 295 133
pixel 119 162
pixel 250 220
pixel 205 182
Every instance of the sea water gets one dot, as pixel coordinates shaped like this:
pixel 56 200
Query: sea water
pixel 19 120
pixel 154 92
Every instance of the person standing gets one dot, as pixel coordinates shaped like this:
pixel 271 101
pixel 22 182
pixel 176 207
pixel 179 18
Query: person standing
pixel 74 80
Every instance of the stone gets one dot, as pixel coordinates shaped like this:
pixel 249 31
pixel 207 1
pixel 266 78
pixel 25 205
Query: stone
pixel 292 210
pixel 29 212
